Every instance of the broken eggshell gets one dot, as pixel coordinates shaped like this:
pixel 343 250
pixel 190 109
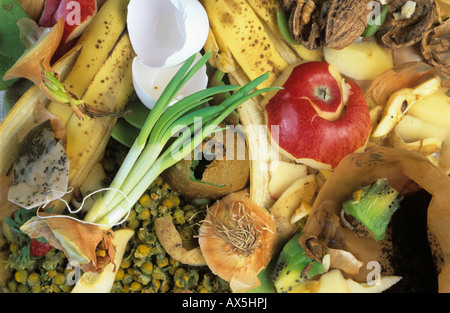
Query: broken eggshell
pixel 164 34
pixel 149 83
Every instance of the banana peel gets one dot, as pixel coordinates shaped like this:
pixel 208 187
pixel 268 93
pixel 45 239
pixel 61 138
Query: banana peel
pixel 110 89
pixel 245 43
pixel 98 69
pixel 22 115
pixel 96 43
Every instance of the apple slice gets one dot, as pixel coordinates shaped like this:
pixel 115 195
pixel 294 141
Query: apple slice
pixel 434 108
pixel 302 190
pixel 400 102
pixel 302 134
pixel 282 175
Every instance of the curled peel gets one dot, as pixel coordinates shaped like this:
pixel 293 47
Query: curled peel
pixel 402 169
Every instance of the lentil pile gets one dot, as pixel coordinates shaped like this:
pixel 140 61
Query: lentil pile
pixel 146 267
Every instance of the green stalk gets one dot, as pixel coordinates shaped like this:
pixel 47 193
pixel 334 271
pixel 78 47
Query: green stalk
pixel 162 133
pixel 172 88
pixel 167 160
pixel 148 160
pixel 150 155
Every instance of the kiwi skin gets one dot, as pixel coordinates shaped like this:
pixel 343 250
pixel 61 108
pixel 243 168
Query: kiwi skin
pixel 215 176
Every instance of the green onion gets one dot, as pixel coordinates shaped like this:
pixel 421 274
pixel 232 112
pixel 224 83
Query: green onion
pixel 57 90
pixel 153 150
pixel 373 28
pixel 283 26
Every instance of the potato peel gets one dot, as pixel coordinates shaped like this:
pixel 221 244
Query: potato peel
pixel 171 241
pixel 399 167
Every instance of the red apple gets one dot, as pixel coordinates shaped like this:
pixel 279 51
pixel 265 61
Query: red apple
pixel 77 16
pixel 317 126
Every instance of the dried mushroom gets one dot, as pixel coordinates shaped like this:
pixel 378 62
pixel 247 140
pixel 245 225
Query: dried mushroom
pixel 435 47
pixel 406 22
pixel 333 23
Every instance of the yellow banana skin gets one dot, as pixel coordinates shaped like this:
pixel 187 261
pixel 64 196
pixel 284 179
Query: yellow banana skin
pixel 109 90
pixel 97 69
pixel 245 43
pixel 21 117
pixel 237 27
pixel 96 43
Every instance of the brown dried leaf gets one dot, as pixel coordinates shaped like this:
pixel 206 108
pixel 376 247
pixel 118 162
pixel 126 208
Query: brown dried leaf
pixel 435 47
pixel 400 32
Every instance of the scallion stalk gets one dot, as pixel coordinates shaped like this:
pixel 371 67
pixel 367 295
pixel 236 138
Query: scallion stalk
pixel 153 151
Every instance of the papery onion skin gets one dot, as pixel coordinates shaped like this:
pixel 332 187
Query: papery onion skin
pixel 237 266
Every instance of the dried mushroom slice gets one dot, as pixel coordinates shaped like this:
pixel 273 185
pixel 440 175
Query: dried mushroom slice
pixel 406 22
pixel 346 21
pixel 435 47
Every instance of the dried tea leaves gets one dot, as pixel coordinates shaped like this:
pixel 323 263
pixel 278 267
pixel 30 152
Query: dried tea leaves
pixel 41 170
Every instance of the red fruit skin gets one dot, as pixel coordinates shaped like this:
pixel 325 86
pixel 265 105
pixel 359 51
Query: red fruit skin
pixel 50 7
pixel 87 10
pixel 305 136
pixel 38 249
pixel 307 77
pixel 56 9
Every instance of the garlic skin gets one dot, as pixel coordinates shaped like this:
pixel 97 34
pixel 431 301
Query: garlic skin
pixel 164 34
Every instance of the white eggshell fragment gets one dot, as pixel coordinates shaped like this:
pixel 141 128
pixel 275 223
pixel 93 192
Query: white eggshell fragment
pixel 149 83
pixel 165 33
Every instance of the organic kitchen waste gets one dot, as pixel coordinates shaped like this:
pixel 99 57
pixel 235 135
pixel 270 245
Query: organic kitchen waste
pixel 266 147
